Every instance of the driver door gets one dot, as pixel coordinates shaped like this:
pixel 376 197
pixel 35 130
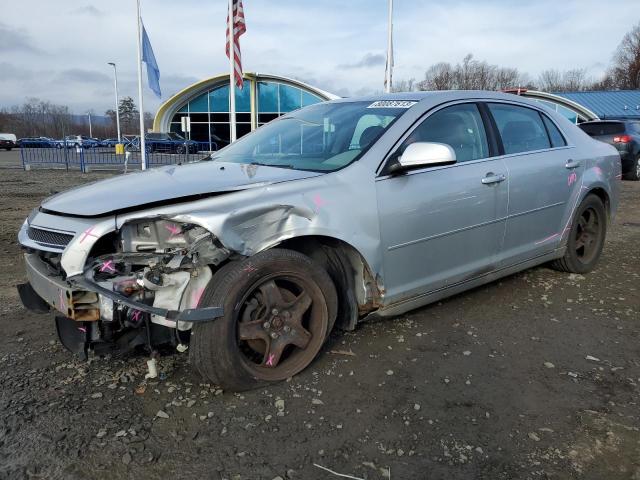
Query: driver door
pixel 443 225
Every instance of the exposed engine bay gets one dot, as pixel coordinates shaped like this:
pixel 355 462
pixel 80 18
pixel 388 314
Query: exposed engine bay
pixel 146 291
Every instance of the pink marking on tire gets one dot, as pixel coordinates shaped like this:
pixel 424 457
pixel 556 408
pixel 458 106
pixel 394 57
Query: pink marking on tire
pixel 108 267
pixel 271 359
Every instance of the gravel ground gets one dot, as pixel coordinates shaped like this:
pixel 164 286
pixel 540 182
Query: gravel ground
pixel 534 376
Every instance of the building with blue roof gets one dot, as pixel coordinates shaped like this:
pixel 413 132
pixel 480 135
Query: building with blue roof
pixel 618 104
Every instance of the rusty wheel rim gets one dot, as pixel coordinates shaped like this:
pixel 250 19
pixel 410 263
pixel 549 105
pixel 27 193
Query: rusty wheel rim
pixel 588 236
pixel 281 323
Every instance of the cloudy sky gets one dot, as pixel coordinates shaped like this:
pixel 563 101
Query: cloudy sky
pixel 58 50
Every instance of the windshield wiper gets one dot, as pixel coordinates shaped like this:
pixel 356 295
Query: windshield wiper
pixel 291 167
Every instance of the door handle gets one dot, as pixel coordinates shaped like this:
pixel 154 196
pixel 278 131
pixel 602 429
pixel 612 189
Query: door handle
pixel 492 178
pixel 571 164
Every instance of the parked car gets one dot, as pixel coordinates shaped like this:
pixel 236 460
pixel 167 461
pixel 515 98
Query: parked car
pixel 76 141
pixel 625 136
pixel 329 215
pixel 109 142
pixel 36 142
pixel 169 142
pixel 7 141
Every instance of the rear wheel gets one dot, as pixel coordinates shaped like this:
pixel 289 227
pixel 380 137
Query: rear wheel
pixel 634 173
pixel 586 237
pixel 279 307
pixel 180 149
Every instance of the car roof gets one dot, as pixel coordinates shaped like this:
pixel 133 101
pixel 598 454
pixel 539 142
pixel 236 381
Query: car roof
pixel 428 99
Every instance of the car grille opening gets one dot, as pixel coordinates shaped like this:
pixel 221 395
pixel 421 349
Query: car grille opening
pixel 49 238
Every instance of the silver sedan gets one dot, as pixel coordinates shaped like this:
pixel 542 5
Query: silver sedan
pixel 327 216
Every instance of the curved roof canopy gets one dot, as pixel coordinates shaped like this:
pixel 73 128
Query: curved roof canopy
pixel 577 112
pixel 169 108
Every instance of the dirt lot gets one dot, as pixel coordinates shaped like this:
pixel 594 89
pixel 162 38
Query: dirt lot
pixel 535 376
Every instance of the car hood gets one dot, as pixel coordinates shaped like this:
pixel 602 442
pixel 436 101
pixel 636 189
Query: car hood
pixel 166 185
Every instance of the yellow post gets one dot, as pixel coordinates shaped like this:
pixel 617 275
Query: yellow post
pixel 119 149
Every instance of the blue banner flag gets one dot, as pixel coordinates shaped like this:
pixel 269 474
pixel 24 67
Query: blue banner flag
pixel 153 72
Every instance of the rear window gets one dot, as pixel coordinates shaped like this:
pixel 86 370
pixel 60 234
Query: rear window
pixel 596 129
pixel 557 140
pixel 521 128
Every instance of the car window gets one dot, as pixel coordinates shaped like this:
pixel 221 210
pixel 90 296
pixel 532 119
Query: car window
pixel 596 129
pixel 521 128
pixel 557 140
pixel 459 126
pixel 635 127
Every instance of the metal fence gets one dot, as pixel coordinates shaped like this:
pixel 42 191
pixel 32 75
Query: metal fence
pixel 105 158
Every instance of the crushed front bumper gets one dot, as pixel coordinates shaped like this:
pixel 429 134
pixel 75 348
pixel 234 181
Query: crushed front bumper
pixel 77 297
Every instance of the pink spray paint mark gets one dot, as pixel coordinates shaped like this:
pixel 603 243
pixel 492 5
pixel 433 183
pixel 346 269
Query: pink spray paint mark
pixel 249 268
pixel 319 202
pixel 87 233
pixel 271 359
pixel 173 229
pixel 550 237
pixel 197 295
pixel 572 179
pixel 82 329
pixel 136 316
pixel 108 267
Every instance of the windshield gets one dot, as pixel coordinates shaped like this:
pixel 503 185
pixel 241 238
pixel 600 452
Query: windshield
pixel 323 137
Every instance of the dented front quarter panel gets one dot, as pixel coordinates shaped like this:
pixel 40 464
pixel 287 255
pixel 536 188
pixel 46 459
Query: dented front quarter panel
pixel 339 205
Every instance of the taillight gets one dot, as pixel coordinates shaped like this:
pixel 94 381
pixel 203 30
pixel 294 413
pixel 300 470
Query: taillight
pixel 622 139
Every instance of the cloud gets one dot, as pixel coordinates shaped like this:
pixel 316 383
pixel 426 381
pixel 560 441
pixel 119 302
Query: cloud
pixel 88 10
pixel 13 72
pixel 368 61
pixel 80 75
pixel 335 45
pixel 12 40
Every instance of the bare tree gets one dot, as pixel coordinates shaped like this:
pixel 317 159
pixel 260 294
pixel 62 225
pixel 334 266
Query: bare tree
pixel 568 81
pixel 404 85
pixel 471 74
pixel 438 77
pixel 625 70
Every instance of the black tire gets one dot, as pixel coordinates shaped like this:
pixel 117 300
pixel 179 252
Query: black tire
pixel 586 237
pixel 634 173
pixel 300 312
pixel 8 149
pixel 180 149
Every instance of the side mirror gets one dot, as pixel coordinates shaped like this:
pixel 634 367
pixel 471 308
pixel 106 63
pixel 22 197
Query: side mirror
pixel 424 154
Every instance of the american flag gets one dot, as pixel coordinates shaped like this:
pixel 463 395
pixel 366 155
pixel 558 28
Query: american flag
pixel 239 27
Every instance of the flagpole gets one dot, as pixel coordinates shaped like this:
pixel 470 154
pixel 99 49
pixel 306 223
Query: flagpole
pixel 232 73
pixel 143 150
pixel 388 74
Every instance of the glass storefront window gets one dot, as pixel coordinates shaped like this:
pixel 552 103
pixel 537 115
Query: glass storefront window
pixel 219 99
pixel 290 98
pixel 212 108
pixel 199 104
pixel 268 97
pixel 309 99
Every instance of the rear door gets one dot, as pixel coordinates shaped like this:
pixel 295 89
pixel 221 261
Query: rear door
pixel 443 225
pixel 544 181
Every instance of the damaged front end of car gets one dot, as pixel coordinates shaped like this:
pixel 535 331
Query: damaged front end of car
pixel 141 286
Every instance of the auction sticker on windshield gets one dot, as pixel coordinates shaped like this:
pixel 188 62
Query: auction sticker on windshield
pixel 392 104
